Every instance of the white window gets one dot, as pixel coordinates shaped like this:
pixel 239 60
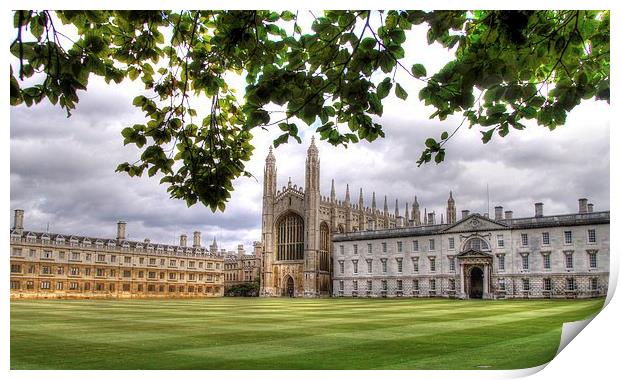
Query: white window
pixel 399 246
pixel 526 284
pixel 355 249
pixel 369 265
pixel 341 285
pixel 594 283
pixel 545 238
pixel 432 284
pixel 100 257
pixel 384 247
pixel 45 284
pixel 451 243
pixel 341 264
pixel 452 264
pixel 354 284
pixel 342 249
pixel 500 241
pixel 592 257
pixel 75 271
pixel 547 260
pixel 569 259
pixel 384 285
pixel 75 256
pixel 399 285
pixel 384 265
pixel 547 284
pixel 46 254
pixel 369 285
pixel 17 251
pixel 568 237
pixel 525 261
pixel 416 246
pixel 591 236
pixel 416 266
pixel 501 284
pixel 451 284
pixel 570 284
pixel 431 244
pixel 416 285
pixel 431 263
pixel 501 262
pixel 524 240
pixel 354 266
pixel 369 248
pixel 59 286
pixel 399 264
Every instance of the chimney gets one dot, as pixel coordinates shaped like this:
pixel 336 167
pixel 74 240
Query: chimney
pixel 196 239
pixel 400 222
pixel 431 218
pixel 147 241
pixel 508 215
pixel 183 240
pixel 120 230
pixel 583 205
pixel 240 250
pixel 590 207
pixel 464 214
pixel 499 213
pixel 538 210
pixel 18 221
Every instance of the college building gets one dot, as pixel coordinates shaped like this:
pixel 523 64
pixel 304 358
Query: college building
pixel 317 246
pixel 50 265
pixel 241 267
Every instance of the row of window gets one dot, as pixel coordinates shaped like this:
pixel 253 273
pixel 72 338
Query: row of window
pixel 477 244
pixel 432 285
pixel 76 256
pixel 525 284
pixel 568 260
pixel 101 272
pixel 75 286
pixel 399 265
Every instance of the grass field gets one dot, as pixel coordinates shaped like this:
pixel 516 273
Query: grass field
pixel 236 333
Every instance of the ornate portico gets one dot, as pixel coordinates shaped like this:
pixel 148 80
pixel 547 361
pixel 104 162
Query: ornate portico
pixel 475 274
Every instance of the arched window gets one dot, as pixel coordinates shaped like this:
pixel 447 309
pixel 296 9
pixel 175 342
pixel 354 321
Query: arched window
pixel 290 237
pixel 476 244
pixel 340 229
pixel 324 247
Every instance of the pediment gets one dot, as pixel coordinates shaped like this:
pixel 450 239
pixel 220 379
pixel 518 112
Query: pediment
pixel 474 253
pixel 475 222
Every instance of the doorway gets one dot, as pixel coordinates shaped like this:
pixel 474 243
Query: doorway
pixel 476 278
pixel 290 287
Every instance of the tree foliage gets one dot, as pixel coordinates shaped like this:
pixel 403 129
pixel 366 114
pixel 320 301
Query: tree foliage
pixel 508 66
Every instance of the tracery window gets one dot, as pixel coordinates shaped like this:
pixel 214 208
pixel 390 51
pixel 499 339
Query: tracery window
pixel 290 238
pixel 324 247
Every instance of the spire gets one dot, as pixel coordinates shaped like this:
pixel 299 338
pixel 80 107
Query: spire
pixel 347 198
pixel 270 157
pixel 415 201
pixel 450 199
pixel 406 213
pixel 442 218
pixel 425 217
pixel 374 201
pixel 360 202
pixel 451 210
pixel 312 148
pixel 396 213
pixel 385 208
pixel 333 192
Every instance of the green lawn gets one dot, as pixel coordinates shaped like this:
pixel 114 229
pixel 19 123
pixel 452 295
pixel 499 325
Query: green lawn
pixel 252 333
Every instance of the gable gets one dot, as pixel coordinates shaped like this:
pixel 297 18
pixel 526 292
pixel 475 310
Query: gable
pixel 475 222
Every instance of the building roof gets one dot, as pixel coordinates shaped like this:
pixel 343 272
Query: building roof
pixel 477 222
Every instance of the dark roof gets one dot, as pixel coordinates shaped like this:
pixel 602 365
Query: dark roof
pixel 601 217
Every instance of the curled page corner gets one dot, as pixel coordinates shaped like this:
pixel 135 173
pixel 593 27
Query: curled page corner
pixel 570 331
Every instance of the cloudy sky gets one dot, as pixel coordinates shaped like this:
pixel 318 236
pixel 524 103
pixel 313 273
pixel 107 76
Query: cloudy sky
pixel 62 169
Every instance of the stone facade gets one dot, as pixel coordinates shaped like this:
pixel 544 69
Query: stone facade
pixel 561 256
pixel 48 265
pixel 241 268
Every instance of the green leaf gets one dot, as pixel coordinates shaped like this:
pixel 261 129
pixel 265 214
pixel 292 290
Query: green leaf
pixel 444 135
pixel 400 92
pixel 418 70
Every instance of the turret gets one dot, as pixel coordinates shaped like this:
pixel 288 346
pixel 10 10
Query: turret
pixel 347 198
pixel 332 194
pixel 18 221
pixel 406 213
pixel 396 213
pixel 415 212
pixel 120 230
pixel 373 205
pixel 451 210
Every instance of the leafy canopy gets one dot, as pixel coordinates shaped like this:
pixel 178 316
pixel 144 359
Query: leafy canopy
pixel 508 66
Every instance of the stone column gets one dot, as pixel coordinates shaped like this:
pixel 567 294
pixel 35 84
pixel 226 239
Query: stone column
pixel 462 281
pixel 485 282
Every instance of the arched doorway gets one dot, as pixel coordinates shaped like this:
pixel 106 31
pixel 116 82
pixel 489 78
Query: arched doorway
pixel 476 278
pixel 290 287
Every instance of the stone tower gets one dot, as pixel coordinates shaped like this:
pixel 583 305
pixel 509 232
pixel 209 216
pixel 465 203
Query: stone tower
pixel 415 212
pixel 312 200
pixel 451 210
pixel 269 193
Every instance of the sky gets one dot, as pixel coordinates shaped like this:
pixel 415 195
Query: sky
pixel 62 170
